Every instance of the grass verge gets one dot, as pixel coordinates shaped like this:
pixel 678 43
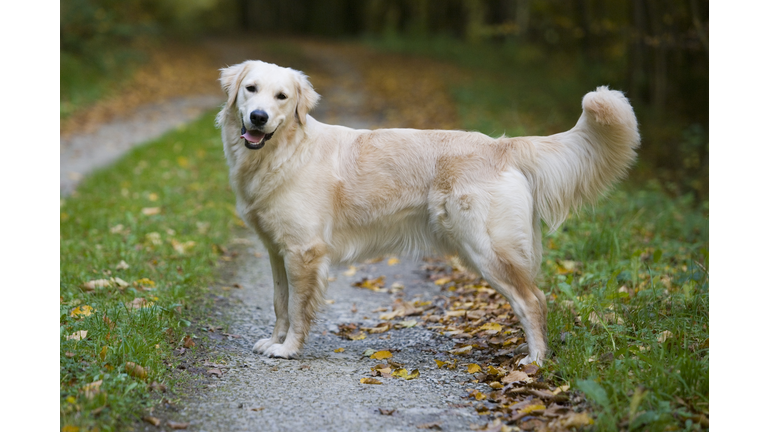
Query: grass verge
pixel 139 247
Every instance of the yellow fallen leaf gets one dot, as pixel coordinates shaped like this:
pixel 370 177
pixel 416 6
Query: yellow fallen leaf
pixel 103 353
pixel 441 363
pixel 496 385
pixel 392 261
pixel 473 368
pixel 351 271
pixel 493 371
pixel 338 350
pixel 442 281
pixel 70 428
pixel 403 373
pixel 369 381
pixel 359 335
pixel 380 355
pixel 531 408
pixel 380 328
pixel 78 335
pixel 491 328
pixel 406 324
pixel 83 310
pixel 150 211
pixel 144 283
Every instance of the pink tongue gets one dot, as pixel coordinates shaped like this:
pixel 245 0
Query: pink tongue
pixel 253 137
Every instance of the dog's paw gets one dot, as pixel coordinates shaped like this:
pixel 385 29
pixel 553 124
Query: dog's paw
pixel 530 359
pixel 261 346
pixel 282 351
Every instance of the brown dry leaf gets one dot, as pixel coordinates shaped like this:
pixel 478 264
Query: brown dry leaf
pixel 575 420
pixel 369 381
pixel 381 355
pixel 178 425
pixel 531 368
pixel 188 342
pixel 515 376
pixel 156 386
pixel 257 409
pixel 462 351
pixel 78 335
pixel 154 421
pixel 392 261
pixel 135 370
pixel 663 336
pixel 433 425
pixel 387 412
pixel 150 211
pixel 473 368
pixel 215 371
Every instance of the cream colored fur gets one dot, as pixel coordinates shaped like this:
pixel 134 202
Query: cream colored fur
pixel 320 194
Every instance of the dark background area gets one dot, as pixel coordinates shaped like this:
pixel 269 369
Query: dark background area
pixel 655 50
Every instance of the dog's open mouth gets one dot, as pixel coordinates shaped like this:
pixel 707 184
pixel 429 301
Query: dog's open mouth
pixel 254 140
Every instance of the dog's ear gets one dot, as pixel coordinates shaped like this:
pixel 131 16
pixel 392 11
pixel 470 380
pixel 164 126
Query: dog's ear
pixel 230 79
pixel 306 95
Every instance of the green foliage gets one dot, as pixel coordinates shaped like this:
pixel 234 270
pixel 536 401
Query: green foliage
pixel 632 319
pixel 184 175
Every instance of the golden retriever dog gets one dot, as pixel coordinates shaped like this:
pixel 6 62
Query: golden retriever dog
pixel 320 194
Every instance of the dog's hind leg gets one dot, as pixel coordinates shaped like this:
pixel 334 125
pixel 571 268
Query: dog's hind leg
pixel 308 275
pixel 282 323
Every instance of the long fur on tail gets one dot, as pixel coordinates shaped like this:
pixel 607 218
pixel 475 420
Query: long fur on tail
pixel 581 164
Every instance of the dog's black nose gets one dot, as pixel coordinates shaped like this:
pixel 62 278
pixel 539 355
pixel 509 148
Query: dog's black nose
pixel 259 118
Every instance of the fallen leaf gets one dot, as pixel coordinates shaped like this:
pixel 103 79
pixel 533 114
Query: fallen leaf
pixel 179 425
pixel 531 408
pixel 574 420
pixel 98 283
pixel 182 248
pixel 338 350
pixel 154 421
pixel 474 368
pixel 137 303
pixel 92 389
pixel 188 342
pixel 103 353
pixel 69 354
pixel 369 381
pixel 406 324
pixel 380 355
pixel 462 351
pixel 369 352
pixel 120 283
pixel 156 386
pixel 83 310
pixel 433 425
pixel 388 412
pixel 329 301
pixel 257 409
pixel 215 371
pixel 496 385
pixel 122 265
pixel 663 336
pixel 392 261
pixel 491 328
pixel 380 328
pixel 442 281
pixel 358 335
pixel 78 335
pixel 150 211
pixel 135 370
pixel 403 373
pixel 531 368
pixel 351 271
pixel 371 284
pixel 397 286
pixel 514 376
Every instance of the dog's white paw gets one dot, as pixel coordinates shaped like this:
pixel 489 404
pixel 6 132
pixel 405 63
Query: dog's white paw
pixel 282 350
pixel 261 346
pixel 530 359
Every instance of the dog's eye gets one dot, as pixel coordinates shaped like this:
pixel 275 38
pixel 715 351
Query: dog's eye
pixel 251 89
pixel 281 96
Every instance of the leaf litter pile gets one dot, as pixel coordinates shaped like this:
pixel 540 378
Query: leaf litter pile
pixel 488 344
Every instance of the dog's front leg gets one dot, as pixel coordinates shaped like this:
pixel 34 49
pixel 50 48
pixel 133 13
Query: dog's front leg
pixel 282 322
pixel 308 275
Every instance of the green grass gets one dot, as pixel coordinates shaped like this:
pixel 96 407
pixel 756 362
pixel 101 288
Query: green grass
pixel 641 269
pixel 184 175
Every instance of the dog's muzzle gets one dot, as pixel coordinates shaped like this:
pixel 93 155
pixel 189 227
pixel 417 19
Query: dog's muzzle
pixel 254 140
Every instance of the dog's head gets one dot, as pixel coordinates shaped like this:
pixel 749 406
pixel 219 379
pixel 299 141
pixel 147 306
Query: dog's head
pixel 267 98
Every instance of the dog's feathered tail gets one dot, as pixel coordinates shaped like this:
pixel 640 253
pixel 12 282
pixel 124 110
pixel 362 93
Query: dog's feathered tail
pixel 579 165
